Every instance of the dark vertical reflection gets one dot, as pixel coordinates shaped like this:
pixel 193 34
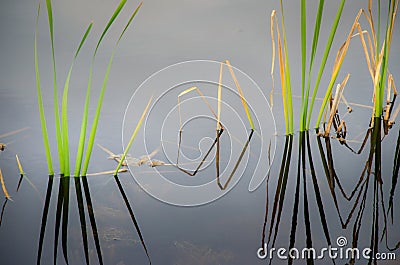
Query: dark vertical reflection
pixel 64 240
pixel 333 180
pixel 264 228
pixel 372 171
pixel 304 162
pixel 223 187
pixel 318 194
pixel 58 219
pixel 358 220
pixel 216 142
pixel 20 181
pixel 296 204
pixel 310 260
pixel 62 216
pixel 280 190
pixel 2 211
pixel 132 215
pixel 62 211
pixel 217 155
pixel 376 140
pixel 395 176
pixel 44 217
pixel 92 218
pixel 82 219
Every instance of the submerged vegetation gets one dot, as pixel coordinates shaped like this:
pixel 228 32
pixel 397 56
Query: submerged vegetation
pixel 377 52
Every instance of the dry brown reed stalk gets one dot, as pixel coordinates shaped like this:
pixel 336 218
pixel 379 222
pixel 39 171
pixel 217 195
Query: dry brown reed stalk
pixel 21 171
pixel 3 186
pixel 387 120
pixel 341 54
pixel 219 129
pixel 374 61
pixel 286 96
pixel 335 103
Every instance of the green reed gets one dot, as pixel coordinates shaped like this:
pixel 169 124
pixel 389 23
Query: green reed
pixel 61 124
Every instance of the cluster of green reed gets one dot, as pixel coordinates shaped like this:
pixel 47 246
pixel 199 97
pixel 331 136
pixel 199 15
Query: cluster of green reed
pixel 305 117
pixel 82 159
pixel 377 57
pixel 61 123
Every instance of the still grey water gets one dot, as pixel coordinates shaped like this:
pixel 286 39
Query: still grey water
pixel 225 231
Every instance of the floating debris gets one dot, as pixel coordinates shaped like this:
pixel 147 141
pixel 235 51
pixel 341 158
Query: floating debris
pixel 130 161
pixel 122 170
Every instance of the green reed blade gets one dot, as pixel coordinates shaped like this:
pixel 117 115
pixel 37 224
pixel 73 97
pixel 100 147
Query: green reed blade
pixel 317 28
pixel 96 118
pixel 133 136
pixel 113 17
pixel 89 28
pixel 99 104
pixel 81 145
pixel 64 107
pixel 303 58
pixel 380 88
pixel 129 21
pixel 287 74
pixel 40 103
pixel 55 93
pixel 324 59
pixel 378 32
pixel 82 135
pixel 384 69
